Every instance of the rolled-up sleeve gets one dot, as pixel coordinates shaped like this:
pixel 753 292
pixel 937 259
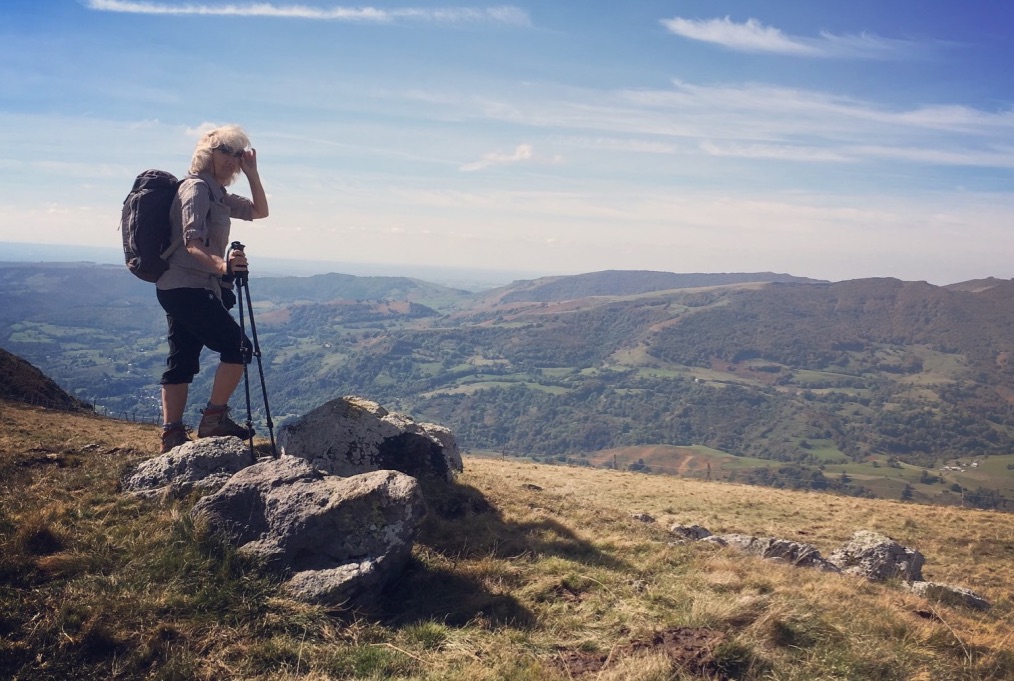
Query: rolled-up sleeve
pixel 195 200
pixel 240 207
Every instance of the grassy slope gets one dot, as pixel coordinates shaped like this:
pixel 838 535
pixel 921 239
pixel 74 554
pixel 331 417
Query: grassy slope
pixel 521 571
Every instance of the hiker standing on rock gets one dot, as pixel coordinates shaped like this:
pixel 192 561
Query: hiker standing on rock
pixel 196 291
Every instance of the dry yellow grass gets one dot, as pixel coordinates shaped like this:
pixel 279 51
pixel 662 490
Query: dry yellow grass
pixel 955 541
pixel 521 571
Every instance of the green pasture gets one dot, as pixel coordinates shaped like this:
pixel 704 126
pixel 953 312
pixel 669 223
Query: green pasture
pixel 805 377
pixel 44 332
pixel 825 450
pixel 465 387
pixel 645 372
pixel 558 372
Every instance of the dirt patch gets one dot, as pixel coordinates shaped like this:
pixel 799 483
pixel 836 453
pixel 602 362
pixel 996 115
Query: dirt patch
pixel 1006 393
pixel 563 592
pixel 689 649
pixel 686 465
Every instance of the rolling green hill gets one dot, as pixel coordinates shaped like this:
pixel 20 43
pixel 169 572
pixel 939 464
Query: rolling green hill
pixel 809 378
pixel 625 283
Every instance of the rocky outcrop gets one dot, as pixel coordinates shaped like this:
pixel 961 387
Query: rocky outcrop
pixel 336 514
pixel 793 553
pixel 335 539
pixel 204 465
pixel 350 435
pixel 878 558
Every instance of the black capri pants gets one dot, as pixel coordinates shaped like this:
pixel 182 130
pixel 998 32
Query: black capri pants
pixel 198 319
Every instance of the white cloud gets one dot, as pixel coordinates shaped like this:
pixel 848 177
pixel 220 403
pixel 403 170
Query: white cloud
pixel 753 36
pixel 449 15
pixel 523 152
pixel 749 37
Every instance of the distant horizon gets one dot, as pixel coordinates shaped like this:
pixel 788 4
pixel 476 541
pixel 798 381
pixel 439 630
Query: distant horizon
pixel 468 278
pixel 455 277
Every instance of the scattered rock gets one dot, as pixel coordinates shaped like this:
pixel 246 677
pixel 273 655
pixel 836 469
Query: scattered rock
pixel 689 532
pixel 878 558
pixel 351 435
pixel 336 539
pixel 867 554
pixel 204 464
pixel 794 553
pixel 639 585
pixel 950 595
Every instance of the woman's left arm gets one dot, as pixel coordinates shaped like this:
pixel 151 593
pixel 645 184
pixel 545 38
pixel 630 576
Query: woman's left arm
pixel 260 200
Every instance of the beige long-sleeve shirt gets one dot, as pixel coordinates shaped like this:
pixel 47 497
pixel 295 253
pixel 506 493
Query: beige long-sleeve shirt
pixel 201 210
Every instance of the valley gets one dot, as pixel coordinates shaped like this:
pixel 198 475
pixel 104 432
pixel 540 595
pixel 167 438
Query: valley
pixel 870 387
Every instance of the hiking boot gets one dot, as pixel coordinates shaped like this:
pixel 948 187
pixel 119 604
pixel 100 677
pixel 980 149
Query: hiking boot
pixel 215 422
pixel 174 437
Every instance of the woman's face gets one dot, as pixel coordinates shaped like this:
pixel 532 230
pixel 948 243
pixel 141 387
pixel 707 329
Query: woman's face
pixel 225 163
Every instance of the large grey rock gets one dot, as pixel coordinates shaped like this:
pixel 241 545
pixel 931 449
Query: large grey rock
pixel 794 553
pixel 350 435
pixel 335 538
pixel 950 595
pixel 878 558
pixel 205 464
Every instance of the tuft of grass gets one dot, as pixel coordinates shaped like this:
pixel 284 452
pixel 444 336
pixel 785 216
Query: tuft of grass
pixel 427 635
pixel 368 662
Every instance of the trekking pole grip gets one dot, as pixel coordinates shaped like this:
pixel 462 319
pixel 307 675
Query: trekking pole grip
pixel 240 277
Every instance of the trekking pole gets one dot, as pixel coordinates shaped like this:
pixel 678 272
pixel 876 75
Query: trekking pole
pixel 243 283
pixel 238 280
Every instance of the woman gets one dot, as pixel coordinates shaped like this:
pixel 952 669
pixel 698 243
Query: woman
pixel 199 278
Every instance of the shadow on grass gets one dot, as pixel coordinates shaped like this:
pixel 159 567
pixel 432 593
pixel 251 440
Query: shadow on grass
pixel 462 525
pixel 424 594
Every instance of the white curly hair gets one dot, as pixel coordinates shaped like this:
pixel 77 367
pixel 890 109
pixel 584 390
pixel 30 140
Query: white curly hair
pixel 230 137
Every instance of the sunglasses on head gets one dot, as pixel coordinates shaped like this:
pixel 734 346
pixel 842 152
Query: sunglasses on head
pixel 229 151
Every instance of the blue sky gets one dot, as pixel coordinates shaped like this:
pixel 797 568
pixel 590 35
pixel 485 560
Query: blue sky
pixel 834 140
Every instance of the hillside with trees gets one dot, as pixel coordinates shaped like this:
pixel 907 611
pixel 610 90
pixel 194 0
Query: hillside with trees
pixel 819 379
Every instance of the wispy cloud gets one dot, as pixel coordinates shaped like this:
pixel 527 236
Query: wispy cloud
pixel 449 15
pixel 776 152
pixel 753 36
pixel 760 121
